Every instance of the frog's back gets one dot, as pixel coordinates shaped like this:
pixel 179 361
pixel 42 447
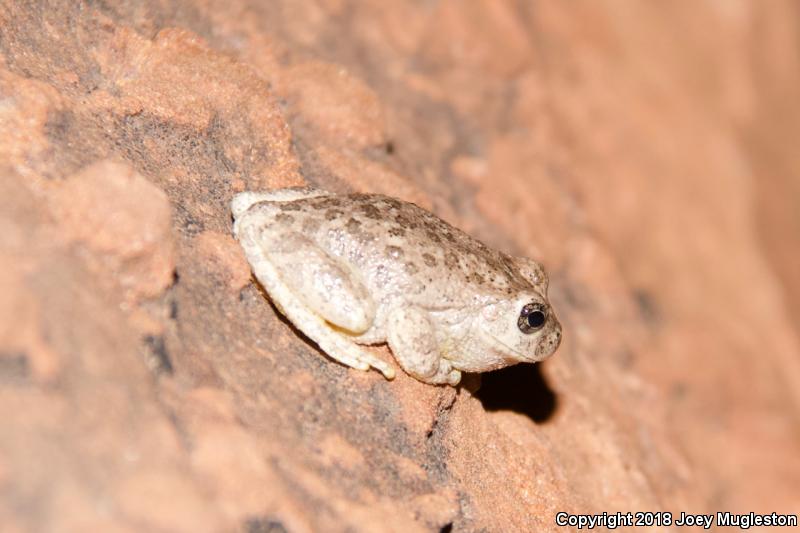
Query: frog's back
pixel 400 248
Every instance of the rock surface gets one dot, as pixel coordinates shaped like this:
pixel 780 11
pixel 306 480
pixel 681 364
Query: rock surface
pixel 645 152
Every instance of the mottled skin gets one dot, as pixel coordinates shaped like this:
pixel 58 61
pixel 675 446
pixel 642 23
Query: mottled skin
pixel 366 269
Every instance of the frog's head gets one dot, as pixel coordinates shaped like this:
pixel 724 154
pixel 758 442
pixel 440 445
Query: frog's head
pixel 521 329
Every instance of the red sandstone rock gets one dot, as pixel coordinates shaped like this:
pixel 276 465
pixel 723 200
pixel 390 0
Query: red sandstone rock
pixel 644 152
pixel 123 219
pixel 339 107
pixel 224 256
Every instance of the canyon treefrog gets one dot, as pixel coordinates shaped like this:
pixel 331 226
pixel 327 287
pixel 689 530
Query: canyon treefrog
pixel 365 269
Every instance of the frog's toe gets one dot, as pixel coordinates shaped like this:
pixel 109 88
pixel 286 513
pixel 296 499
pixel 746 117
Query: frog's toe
pixel 384 368
pixel 454 377
pixel 348 353
pixel 339 349
pixel 445 374
pixel 378 364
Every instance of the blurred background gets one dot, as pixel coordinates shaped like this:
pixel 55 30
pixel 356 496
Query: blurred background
pixel 644 152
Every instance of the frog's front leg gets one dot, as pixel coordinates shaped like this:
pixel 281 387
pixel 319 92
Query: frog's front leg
pixel 412 339
pixel 321 297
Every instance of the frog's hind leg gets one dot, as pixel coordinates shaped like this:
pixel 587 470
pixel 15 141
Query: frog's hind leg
pixel 330 299
pixel 241 202
pixel 333 343
pixel 330 341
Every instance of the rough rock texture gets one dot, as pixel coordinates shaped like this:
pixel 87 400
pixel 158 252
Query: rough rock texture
pixel 646 152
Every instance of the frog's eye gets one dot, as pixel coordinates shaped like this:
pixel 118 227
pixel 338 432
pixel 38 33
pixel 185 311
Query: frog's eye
pixel 532 317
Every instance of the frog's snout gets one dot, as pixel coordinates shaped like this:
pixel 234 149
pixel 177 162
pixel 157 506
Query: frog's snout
pixel 550 342
pixel 555 338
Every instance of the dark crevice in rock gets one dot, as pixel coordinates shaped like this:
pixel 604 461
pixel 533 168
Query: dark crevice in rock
pixel 263 525
pixel 445 404
pixel 157 356
pixel 437 452
pixel 14 367
pixel 648 307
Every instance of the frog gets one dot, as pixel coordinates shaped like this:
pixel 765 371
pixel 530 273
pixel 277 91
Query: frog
pixel 359 269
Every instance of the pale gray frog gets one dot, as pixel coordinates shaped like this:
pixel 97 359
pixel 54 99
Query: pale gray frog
pixel 361 269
